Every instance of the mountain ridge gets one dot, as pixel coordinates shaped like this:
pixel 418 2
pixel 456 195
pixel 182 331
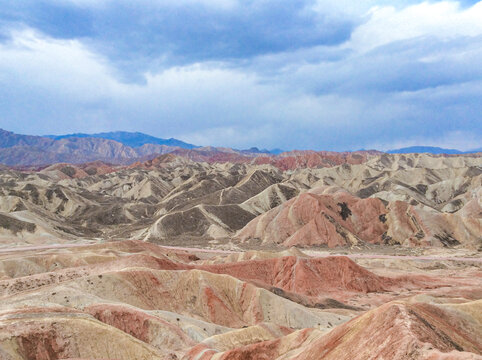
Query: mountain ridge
pixel 26 150
pixel 132 139
pixel 125 148
pixel 430 150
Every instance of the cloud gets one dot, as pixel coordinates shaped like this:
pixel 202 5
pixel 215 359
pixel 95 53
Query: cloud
pixel 406 66
pixel 204 102
pixel 46 64
pixel 441 20
pixel 246 74
pixel 158 34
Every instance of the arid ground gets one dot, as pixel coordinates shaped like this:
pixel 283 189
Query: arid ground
pixel 304 255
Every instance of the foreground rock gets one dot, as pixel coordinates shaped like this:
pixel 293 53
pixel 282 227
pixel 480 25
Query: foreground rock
pixel 132 299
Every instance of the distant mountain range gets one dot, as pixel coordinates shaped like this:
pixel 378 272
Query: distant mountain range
pixel 118 147
pixel 132 139
pixel 122 147
pixel 431 150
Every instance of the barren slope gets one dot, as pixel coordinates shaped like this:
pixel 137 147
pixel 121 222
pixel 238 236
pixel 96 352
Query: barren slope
pixel 412 200
pixel 132 299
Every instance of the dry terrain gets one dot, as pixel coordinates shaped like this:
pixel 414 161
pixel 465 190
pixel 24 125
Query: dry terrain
pixel 208 254
pixel 399 200
pixel 132 299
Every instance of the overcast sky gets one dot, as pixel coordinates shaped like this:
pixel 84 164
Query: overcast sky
pixel 290 74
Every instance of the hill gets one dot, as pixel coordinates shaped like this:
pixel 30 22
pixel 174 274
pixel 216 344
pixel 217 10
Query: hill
pixel 132 139
pixel 431 150
pixel 424 149
pixel 135 300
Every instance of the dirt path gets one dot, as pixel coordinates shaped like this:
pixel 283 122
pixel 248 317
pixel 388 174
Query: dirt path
pixel 216 251
pixel 41 247
pixel 213 251
pixel 352 256
pixel 407 257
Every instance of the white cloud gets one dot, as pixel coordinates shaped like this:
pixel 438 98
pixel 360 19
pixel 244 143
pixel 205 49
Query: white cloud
pixel 65 83
pixel 444 20
pixel 342 7
pixel 60 67
pixel 337 100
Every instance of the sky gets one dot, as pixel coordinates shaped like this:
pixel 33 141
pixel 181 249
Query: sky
pixel 300 74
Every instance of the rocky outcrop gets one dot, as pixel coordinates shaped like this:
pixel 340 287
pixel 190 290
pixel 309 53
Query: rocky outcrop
pixel 403 330
pixel 315 159
pixel 63 334
pixel 333 217
pixel 311 277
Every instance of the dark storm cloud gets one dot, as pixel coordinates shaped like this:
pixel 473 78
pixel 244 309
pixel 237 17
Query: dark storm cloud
pixel 184 32
pixel 303 74
pixel 403 66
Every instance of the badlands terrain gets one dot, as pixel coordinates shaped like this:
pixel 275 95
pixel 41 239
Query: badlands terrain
pixel 295 199
pixel 210 254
